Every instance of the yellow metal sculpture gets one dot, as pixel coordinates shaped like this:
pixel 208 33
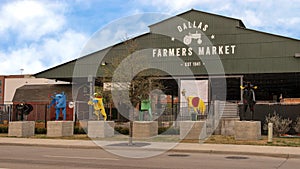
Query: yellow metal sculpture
pixel 97 102
pixel 195 102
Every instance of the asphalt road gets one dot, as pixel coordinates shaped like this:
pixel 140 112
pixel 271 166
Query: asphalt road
pixel 34 157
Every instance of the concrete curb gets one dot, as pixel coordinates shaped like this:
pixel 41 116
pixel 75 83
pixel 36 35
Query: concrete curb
pixel 239 153
pixel 270 151
pixel 51 146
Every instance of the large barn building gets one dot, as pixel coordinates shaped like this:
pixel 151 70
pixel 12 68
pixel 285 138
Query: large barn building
pixel 202 47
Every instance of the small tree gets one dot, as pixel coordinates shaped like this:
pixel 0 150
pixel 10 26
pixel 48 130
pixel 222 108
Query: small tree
pixel 280 125
pixel 297 125
pixel 140 84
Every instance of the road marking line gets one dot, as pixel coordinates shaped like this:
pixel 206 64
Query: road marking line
pixel 84 158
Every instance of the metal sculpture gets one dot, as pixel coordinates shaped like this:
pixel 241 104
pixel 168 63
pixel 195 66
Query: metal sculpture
pixel 60 101
pixel 97 102
pixel 195 102
pixel 248 99
pixel 23 109
pixel 145 107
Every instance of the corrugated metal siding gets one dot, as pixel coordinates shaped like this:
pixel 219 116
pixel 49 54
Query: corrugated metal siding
pixel 255 52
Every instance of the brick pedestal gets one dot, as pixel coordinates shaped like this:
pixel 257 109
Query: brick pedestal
pixel 145 129
pixel 247 130
pixel 100 129
pixel 60 128
pixel 21 128
pixel 193 130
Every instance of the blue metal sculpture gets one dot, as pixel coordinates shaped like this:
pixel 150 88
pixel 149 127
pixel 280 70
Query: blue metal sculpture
pixel 60 101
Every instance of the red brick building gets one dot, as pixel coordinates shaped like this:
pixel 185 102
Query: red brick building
pixel 39 97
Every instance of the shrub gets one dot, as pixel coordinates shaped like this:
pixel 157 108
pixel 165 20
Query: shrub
pixel 297 125
pixel 3 129
pixel 122 130
pixel 40 130
pixel 168 131
pixel 280 125
pixel 79 130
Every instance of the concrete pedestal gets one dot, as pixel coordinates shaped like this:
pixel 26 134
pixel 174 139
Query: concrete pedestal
pixel 60 128
pixel 247 130
pixel 100 129
pixel 193 130
pixel 227 126
pixel 145 129
pixel 21 128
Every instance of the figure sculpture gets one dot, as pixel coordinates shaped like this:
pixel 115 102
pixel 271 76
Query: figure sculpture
pixel 97 102
pixel 60 101
pixel 145 107
pixel 248 99
pixel 23 109
pixel 195 102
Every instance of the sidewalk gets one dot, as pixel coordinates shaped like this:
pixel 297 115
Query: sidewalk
pixel 273 151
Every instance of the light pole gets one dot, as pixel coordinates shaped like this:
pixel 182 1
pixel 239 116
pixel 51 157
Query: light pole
pixel 21 71
pixel 90 80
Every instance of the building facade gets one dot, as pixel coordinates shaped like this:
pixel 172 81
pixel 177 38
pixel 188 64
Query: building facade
pixel 39 97
pixel 9 87
pixel 217 53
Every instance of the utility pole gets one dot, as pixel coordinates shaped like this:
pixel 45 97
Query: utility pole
pixel 90 80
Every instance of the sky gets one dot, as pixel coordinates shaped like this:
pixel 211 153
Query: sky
pixel 36 35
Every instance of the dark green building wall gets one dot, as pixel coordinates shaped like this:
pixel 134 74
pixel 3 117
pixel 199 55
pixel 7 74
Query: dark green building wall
pixel 259 57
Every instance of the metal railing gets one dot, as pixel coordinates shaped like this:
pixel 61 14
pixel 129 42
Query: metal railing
pixel 5 111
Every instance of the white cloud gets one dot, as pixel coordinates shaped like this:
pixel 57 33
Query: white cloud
pixel 37 36
pixel 120 30
pixel 40 56
pixel 173 6
pixel 276 16
pixel 30 20
pixel 64 49
pixel 251 18
pixel 23 58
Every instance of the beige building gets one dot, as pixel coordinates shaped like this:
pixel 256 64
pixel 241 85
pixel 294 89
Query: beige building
pixel 9 84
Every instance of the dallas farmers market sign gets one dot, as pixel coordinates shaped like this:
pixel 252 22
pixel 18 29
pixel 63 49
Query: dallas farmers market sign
pixel 194 35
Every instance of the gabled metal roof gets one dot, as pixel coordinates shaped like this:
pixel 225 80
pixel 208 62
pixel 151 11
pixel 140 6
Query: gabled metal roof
pixel 240 22
pixel 255 51
pixel 41 93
